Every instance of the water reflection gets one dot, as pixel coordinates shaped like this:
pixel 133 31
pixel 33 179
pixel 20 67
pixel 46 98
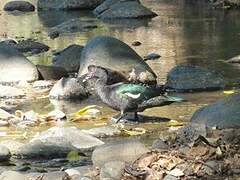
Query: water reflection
pixel 184 32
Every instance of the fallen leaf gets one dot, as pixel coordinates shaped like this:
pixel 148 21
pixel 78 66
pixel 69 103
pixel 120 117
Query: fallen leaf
pixel 175 123
pixel 229 92
pixel 73 156
pixel 135 131
pixel 85 109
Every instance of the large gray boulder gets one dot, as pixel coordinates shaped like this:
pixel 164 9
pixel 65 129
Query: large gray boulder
pixel 67 4
pixel 69 58
pixel 225 113
pixel 114 54
pixel 23 6
pixel 58 142
pixel 112 9
pixel 126 151
pixel 68 88
pixel 14 66
pixel 186 77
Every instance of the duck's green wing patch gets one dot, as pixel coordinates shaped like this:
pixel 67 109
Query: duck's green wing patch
pixel 130 88
pixel 135 91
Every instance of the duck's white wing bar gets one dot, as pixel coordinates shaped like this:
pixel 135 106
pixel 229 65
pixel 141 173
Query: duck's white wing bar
pixel 134 96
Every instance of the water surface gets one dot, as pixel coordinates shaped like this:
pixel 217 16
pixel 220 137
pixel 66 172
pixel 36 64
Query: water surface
pixel 183 32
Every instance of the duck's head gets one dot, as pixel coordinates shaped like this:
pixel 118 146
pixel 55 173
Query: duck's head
pixel 97 72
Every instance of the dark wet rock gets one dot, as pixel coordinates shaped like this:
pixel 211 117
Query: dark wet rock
pixel 23 6
pixel 187 78
pixel 73 25
pixel 23 168
pixel 12 145
pixel 104 6
pixel 112 53
pixel 9 41
pixel 14 66
pixel 31 46
pixel 235 59
pixel 123 9
pixel 54 34
pixel 191 132
pixel 51 72
pixel 127 151
pixel 151 56
pixel 4 153
pixel 69 58
pixel 112 170
pixel 67 4
pixel 58 142
pixel 68 88
pixel 28 46
pixel 104 131
pixel 50 19
pixel 159 144
pixel 222 114
pixel 136 43
pixel 11 92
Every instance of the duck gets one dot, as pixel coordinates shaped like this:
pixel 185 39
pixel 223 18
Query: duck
pixel 127 96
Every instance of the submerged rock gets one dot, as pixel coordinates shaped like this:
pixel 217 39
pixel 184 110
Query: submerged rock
pixel 222 114
pixel 27 46
pixel 51 72
pixel 67 4
pixel 114 54
pixel 104 131
pixel 151 56
pixel 187 77
pixel 23 6
pixel 73 25
pixel 69 58
pixel 126 151
pixel 58 142
pixel 112 9
pixel 31 46
pixel 14 66
pixel 68 88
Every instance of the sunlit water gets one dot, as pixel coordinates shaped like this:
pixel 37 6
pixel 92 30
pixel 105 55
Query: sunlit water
pixel 181 33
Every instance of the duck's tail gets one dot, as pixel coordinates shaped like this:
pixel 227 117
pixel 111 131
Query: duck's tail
pixel 162 100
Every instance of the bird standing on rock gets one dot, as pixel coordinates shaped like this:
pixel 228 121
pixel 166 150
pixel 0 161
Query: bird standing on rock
pixel 127 97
